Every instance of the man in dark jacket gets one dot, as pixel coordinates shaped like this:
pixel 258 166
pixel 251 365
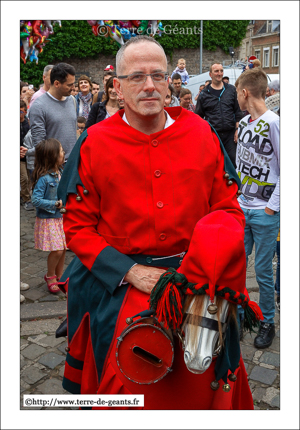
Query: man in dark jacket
pixel 218 105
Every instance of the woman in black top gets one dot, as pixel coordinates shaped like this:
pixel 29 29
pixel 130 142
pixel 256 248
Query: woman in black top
pixel 105 109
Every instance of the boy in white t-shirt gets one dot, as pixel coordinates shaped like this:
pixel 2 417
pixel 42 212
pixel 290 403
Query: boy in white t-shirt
pixel 257 160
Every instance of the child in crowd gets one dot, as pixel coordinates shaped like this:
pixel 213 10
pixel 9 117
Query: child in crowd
pixel 48 231
pixel 182 71
pixel 81 121
pixel 257 160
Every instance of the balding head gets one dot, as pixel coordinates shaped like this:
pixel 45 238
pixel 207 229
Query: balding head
pixel 213 66
pixel 123 55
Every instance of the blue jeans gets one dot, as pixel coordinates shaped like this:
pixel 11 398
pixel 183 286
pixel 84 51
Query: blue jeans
pixel 278 269
pixel 262 230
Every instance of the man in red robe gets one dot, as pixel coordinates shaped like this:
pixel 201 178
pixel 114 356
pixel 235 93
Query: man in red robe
pixel 134 188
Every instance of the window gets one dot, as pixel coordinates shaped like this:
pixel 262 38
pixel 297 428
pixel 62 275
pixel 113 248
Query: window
pixel 275 24
pixel 266 62
pixel 275 56
pixel 269 27
pixel 257 54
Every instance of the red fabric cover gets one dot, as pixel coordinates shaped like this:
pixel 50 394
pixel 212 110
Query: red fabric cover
pixel 127 173
pixel 217 254
pixel 180 389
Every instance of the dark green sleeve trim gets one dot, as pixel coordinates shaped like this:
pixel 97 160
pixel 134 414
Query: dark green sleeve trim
pixel 73 362
pixel 110 267
pixel 70 177
pixel 229 167
pixel 70 386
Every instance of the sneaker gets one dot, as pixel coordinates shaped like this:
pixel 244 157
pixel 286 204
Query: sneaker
pixel 24 286
pixel 265 336
pixel 22 298
pixel 278 303
pixel 28 206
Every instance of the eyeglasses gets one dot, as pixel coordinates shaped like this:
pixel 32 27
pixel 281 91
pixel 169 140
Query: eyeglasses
pixel 81 128
pixel 21 111
pixel 140 78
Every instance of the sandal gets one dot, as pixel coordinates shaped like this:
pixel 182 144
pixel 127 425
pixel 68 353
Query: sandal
pixel 54 284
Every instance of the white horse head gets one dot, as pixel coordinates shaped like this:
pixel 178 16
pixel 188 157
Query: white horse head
pixel 203 332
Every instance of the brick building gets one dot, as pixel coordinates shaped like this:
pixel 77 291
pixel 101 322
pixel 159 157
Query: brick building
pixel 263 40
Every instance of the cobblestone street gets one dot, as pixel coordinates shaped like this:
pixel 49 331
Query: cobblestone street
pixel 43 356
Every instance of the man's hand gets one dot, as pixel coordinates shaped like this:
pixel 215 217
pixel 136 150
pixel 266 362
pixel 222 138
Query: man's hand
pixel 235 136
pixel 143 278
pixel 23 151
pixel 269 211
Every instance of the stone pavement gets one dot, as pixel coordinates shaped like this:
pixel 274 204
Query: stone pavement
pixel 42 355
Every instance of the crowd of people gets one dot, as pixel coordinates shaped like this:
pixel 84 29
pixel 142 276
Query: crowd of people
pixel 134 103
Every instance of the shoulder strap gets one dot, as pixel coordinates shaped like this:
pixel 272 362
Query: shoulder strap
pixel 229 167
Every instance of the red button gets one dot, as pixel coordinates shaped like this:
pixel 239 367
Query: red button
pixel 157 173
pixel 160 204
pixel 162 236
pixel 154 143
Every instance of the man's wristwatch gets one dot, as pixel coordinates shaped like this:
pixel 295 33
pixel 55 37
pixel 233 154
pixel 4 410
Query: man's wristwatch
pixel 57 203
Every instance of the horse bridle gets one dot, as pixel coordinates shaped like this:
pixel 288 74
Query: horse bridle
pixel 204 322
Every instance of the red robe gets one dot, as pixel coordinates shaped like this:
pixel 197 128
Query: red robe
pixel 145 196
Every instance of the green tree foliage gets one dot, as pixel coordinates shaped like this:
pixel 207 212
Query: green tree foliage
pixel 215 33
pixel 75 39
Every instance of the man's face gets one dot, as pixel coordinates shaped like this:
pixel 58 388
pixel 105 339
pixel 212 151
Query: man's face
pixel 105 79
pixel 216 74
pixel 142 99
pixel 181 65
pixel 95 89
pixel 46 79
pixel 201 88
pixel 65 89
pixel 177 85
pixel 80 127
pixel 225 80
pixel 241 98
pixel 76 90
pixel 268 93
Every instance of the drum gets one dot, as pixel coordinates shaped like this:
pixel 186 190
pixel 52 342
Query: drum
pixel 145 351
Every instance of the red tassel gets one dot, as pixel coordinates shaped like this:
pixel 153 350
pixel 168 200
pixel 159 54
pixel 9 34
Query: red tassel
pixel 256 309
pixel 166 311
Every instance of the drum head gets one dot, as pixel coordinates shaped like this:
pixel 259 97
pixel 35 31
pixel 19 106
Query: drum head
pixel 144 353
